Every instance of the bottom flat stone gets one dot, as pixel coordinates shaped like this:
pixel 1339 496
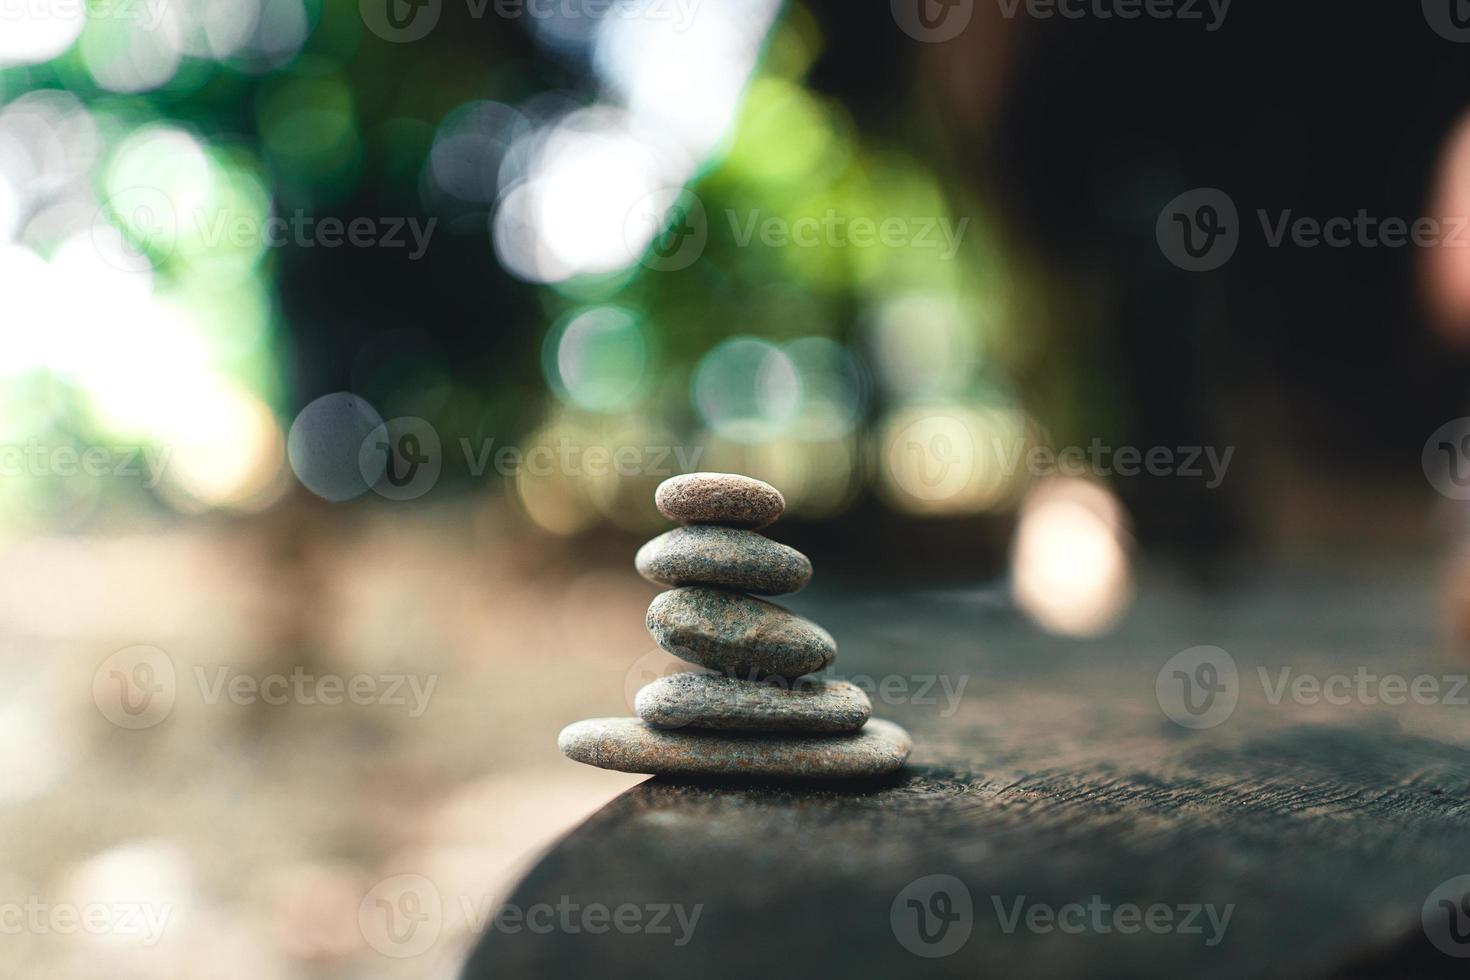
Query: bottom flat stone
pixel 629 745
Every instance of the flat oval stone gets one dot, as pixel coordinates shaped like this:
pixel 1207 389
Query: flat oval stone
pixel 629 745
pixel 725 556
pixel 719 498
pixel 806 704
pixel 738 634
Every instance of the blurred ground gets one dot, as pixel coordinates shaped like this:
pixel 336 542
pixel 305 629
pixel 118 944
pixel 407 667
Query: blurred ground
pixel 259 828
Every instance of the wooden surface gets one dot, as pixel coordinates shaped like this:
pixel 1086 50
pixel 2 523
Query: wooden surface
pixel 1058 779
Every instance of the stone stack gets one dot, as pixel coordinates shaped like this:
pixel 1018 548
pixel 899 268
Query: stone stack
pixel 752 711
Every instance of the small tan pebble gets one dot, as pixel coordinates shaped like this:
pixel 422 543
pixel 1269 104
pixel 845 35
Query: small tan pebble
pixel 806 704
pixel 723 556
pixel 738 634
pixel 719 498
pixel 629 745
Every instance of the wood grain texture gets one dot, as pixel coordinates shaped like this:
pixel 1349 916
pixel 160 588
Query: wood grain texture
pixel 1056 779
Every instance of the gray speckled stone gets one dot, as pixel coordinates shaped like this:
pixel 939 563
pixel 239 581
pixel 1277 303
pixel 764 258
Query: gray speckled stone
pixel 719 498
pixel 629 745
pixel 738 634
pixel 730 704
pixel 724 556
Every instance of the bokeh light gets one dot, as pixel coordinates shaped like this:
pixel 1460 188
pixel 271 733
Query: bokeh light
pixel 682 73
pixel 572 196
pixel 39 32
pixel 747 389
pixel 831 400
pixel 133 54
pixel 325 445
pixel 1070 565
pixel 597 358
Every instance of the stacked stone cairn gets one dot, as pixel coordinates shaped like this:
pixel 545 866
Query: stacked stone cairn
pixel 752 711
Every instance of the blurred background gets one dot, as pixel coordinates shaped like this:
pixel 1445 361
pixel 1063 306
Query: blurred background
pixel 349 341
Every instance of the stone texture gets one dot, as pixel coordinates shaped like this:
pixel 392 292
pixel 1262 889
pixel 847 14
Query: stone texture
pixel 728 557
pixel 629 745
pixel 731 704
pixel 737 634
pixel 719 498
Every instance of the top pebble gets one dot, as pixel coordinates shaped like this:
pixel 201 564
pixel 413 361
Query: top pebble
pixel 719 498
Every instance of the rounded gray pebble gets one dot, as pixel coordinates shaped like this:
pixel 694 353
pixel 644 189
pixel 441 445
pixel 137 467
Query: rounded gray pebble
pixel 629 745
pixel 738 634
pixel 719 498
pixel 723 556
pixel 731 704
